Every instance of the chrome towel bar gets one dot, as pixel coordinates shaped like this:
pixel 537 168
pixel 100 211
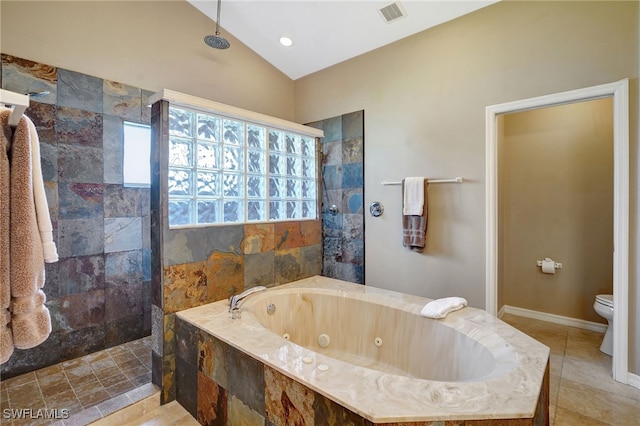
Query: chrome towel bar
pixel 454 180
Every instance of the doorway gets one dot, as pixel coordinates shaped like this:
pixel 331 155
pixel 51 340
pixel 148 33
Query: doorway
pixel 618 91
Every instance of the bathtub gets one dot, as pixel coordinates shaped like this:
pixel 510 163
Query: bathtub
pixel 368 350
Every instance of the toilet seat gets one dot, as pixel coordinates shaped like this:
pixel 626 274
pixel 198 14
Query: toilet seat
pixel 605 299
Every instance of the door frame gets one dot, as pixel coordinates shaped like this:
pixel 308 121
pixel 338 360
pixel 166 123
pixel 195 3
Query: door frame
pixel 619 91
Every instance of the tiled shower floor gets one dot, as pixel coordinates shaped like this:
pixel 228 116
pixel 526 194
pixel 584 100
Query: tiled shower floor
pixel 89 387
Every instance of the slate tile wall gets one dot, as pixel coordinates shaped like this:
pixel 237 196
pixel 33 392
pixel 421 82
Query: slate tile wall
pixel 343 185
pixel 99 292
pixel 195 266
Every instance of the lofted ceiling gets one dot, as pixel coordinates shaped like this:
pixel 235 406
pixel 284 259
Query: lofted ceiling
pixel 325 32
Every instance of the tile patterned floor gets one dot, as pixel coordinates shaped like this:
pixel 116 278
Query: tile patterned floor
pixel 89 387
pixel 582 391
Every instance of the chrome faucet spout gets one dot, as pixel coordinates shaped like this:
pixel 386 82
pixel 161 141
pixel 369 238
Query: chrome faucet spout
pixel 234 301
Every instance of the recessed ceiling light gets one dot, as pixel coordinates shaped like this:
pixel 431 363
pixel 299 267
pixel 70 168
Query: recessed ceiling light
pixel 286 41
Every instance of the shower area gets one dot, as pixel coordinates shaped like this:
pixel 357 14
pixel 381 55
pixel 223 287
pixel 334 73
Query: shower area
pixel 342 191
pixel 98 355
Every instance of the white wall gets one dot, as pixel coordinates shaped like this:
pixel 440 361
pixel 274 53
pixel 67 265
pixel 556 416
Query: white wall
pixel 424 99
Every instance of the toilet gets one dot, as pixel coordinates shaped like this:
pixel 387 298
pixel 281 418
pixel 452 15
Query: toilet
pixel 604 307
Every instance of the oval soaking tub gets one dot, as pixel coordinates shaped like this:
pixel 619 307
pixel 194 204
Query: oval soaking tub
pixel 370 351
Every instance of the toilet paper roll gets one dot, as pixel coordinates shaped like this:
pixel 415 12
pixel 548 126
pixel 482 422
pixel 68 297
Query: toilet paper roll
pixel 548 266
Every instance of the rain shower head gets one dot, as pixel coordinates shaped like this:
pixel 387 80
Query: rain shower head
pixel 217 41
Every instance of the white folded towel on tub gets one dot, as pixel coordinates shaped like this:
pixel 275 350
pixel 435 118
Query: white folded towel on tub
pixel 439 308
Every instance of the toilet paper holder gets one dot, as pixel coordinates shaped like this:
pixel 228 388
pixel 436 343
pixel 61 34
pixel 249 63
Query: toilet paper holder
pixel 556 265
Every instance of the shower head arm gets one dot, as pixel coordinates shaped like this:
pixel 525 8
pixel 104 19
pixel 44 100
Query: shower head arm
pixel 218 18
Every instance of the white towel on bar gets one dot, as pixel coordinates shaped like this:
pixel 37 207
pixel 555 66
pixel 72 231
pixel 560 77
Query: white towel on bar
pixel 413 196
pixel 440 308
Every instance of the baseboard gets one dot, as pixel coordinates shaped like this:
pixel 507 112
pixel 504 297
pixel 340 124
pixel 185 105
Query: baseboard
pixel 501 312
pixel 557 319
pixel 634 380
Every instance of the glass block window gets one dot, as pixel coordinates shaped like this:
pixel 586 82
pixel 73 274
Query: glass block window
pixel 224 170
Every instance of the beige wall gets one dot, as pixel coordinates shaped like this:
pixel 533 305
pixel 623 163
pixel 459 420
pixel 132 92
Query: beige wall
pixel 148 44
pixel 556 185
pixel 424 99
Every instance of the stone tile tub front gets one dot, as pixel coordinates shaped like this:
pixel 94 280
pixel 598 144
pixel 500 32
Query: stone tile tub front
pixel 322 347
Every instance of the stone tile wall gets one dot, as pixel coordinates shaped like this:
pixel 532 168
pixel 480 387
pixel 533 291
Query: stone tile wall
pixel 220 385
pixel 99 292
pixel 343 185
pixel 195 266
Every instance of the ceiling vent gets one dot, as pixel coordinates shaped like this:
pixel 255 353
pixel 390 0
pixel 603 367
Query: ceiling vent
pixel 393 12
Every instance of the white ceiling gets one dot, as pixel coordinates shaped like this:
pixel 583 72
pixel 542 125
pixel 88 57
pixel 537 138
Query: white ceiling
pixel 325 32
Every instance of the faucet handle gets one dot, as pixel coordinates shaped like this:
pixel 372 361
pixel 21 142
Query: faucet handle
pixel 235 313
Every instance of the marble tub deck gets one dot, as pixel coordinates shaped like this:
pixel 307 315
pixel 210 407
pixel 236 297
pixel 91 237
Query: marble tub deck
pixel 512 394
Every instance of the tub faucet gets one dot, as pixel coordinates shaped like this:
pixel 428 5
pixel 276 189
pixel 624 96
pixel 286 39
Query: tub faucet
pixel 234 301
